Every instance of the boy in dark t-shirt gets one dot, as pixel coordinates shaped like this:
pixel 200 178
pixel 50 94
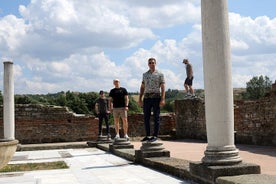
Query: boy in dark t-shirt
pixel 101 108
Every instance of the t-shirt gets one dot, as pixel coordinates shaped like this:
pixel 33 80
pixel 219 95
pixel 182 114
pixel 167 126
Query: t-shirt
pixel 152 81
pixel 118 96
pixel 102 105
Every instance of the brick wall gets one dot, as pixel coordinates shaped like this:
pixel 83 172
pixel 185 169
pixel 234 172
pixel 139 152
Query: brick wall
pixel 45 124
pixel 190 119
pixel 136 124
pixel 254 121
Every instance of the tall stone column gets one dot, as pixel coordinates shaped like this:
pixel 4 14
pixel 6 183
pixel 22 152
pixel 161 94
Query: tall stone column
pixel 8 114
pixel 221 158
pixel 218 84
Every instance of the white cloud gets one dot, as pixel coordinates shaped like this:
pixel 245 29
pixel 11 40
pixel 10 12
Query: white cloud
pixel 12 30
pixel 252 36
pixel 68 45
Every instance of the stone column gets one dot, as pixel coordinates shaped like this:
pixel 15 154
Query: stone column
pixel 8 114
pixel 218 84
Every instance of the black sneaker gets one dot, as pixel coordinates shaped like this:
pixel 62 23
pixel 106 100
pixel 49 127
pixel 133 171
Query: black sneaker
pixel 152 139
pixel 145 139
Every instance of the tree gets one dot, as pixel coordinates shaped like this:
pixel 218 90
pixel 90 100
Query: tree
pixel 1 98
pixel 257 87
pixel 23 99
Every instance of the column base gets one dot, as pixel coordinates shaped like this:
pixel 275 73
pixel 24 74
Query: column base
pixel 227 155
pixel 150 149
pixel 208 174
pixel 120 143
pixel 101 140
pixel 7 150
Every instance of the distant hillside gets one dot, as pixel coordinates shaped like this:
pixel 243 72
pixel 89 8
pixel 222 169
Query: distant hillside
pixel 236 93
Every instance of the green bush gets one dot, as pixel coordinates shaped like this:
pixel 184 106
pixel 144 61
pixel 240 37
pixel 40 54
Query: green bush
pixel 257 87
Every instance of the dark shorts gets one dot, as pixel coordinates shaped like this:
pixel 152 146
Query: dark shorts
pixel 188 81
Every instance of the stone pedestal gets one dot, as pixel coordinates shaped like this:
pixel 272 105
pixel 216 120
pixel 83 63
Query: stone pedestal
pixel 7 150
pixel 101 140
pixel 120 143
pixel 104 139
pixel 151 149
pixel 208 174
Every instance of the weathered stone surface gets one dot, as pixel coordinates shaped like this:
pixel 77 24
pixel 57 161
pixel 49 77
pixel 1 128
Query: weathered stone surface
pixel 7 150
pixel 46 124
pixel 209 174
pixel 254 121
pixel 120 143
pixel 247 179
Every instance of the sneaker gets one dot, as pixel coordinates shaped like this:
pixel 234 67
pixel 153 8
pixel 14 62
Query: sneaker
pixel 187 95
pixel 145 139
pixel 117 136
pixel 152 139
pixel 126 137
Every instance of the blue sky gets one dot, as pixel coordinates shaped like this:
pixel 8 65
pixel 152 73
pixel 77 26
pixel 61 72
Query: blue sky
pixel 61 45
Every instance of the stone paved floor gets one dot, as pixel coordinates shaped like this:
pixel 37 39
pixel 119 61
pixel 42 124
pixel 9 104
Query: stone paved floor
pixel 87 166
pixel 193 150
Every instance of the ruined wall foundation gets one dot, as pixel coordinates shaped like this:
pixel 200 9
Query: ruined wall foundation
pixel 254 122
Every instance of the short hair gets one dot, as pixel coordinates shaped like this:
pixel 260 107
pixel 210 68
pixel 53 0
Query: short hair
pixel 152 59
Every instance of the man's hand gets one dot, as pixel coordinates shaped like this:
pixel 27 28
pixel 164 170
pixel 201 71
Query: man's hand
pixel 140 102
pixel 162 102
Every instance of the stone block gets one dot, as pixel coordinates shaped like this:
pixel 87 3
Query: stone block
pixel 120 143
pixel 209 174
pixel 247 179
pixel 150 149
pixel 7 150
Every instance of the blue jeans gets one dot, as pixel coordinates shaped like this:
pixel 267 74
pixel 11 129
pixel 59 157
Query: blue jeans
pixel 152 103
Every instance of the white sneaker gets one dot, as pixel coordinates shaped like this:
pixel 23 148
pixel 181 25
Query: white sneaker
pixel 126 137
pixel 117 136
pixel 187 95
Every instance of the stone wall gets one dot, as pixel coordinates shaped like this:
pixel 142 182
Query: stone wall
pixel 136 124
pixel 45 124
pixel 254 121
pixel 190 119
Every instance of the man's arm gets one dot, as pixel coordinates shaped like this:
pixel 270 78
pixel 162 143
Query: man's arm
pixel 162 101
pixel 126 101
pixel 142 90
pixel 110 103
pixel 96 108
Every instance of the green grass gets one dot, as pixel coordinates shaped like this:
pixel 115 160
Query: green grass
pixel 34 166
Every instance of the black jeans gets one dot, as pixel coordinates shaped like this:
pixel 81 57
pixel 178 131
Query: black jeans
pixel 103 116
pixel 152 103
